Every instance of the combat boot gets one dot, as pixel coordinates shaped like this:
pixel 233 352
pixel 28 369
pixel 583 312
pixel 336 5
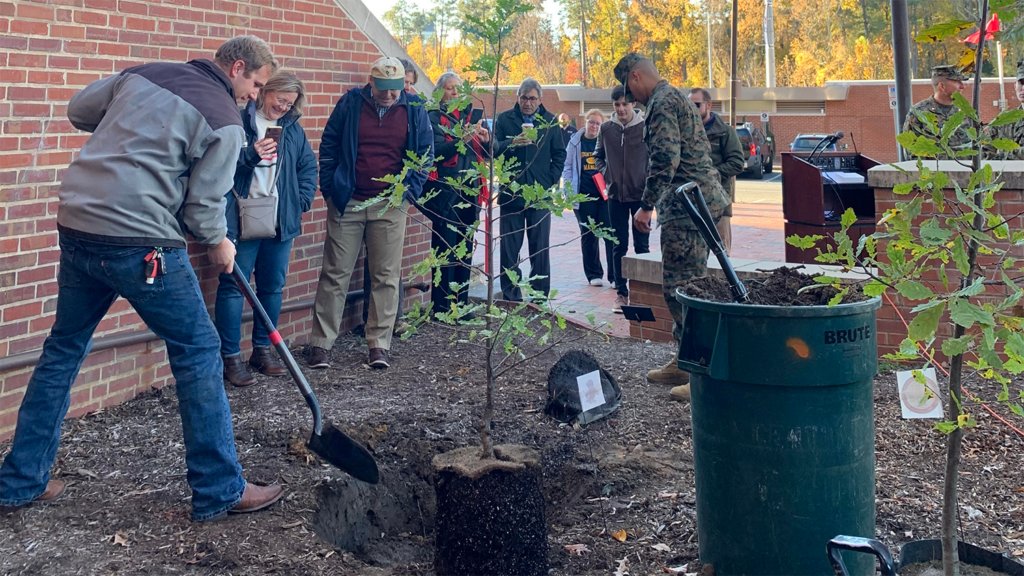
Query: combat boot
pixel 669 374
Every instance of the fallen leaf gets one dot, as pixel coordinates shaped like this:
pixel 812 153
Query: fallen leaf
pixel 463 371
pixel 577 549
pixel 619 535
pixel 661 547
pixel 622 570
pixel 383 428
pixel 120 539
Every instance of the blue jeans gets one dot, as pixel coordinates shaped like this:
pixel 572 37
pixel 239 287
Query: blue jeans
pixel 91 277
pixel 270 259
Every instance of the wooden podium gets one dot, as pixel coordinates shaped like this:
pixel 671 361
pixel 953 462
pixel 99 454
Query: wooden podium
pixel 814 197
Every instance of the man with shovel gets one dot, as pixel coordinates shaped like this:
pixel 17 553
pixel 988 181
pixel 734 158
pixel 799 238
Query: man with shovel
pixel 165 138
pixel 678 153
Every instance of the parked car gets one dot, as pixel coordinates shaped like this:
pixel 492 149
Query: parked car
pixel 761 150
pixel 807 143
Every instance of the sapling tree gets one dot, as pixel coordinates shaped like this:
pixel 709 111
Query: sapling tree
pixel 948 249
pixel 500 330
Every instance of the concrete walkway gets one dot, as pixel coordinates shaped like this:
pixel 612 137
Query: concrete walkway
pixel 757 234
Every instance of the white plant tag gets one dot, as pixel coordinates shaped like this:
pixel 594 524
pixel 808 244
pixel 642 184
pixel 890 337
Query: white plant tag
pixel 591 394
pixel 919 400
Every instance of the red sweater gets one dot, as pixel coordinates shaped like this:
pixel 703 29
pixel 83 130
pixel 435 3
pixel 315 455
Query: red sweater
pixel 381 148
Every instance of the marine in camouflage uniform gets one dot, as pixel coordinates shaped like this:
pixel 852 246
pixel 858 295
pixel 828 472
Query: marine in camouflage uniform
pixel 1014 131
pixel 679 153
pixel 946 80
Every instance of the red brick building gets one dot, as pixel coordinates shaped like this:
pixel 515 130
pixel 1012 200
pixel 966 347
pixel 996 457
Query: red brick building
pixel 48 51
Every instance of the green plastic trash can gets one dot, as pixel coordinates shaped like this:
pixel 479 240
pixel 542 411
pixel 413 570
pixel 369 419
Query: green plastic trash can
pixel 783 432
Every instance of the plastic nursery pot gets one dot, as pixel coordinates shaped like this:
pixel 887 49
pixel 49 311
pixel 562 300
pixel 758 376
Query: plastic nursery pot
pixel 783 432
pixel 928 550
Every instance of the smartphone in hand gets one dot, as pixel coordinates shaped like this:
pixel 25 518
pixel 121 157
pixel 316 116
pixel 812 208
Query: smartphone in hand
pixel 274 133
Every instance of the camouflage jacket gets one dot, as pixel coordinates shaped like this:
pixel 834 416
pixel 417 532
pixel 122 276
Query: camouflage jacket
pixel 942 113
pixel 679 153
pixel 1013 132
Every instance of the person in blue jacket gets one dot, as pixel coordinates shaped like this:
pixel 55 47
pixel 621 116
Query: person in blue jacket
pixel 368 136
pixel 286 171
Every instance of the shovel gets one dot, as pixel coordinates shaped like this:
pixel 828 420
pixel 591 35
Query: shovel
pixel 328 442
pixel 701 216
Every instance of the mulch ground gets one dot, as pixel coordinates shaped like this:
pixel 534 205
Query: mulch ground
pixel 126 508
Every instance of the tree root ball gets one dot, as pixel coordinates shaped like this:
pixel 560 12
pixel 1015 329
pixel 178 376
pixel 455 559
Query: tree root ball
pixel 490 513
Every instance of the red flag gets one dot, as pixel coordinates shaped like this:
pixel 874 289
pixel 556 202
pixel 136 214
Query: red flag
pixel 993 26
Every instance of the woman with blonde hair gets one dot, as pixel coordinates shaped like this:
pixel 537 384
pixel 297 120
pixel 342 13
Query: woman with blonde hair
pixel 580 170
pixel 276 175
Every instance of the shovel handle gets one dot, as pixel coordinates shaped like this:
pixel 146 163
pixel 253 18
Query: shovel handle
pixel 701 216
pixel 855 544
pixel 282 349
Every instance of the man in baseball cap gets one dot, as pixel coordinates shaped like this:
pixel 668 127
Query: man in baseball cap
pixel 946 81
pixel 368 137
pixel 622 70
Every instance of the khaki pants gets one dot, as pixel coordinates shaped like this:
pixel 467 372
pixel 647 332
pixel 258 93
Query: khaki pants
pixel 385 238
pixel 724 225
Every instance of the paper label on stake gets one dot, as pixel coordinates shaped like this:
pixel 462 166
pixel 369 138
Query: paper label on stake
pixel 591 393
pixel 919 400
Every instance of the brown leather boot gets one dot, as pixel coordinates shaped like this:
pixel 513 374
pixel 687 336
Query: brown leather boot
pixel 257 498
pixel 263 359
pixel 235 372
pixel 54 490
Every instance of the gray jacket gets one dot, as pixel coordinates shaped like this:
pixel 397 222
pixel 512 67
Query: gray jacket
pixel 622 158
pixel 165 138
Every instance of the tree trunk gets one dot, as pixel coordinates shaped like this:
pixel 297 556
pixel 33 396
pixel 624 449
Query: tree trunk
pixel 864 15
pixel 950 555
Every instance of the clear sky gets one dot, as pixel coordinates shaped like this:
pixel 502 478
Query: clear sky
pixel 379 7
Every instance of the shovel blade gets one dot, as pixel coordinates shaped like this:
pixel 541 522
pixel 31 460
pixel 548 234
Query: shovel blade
pixel 343 452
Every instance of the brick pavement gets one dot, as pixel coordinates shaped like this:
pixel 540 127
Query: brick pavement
pixel 757 234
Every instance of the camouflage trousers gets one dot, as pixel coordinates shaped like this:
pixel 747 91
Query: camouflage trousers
pixel 684 255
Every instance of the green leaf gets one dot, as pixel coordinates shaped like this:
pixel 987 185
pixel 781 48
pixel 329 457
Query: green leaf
pixel 964 313
pixel 849 217
pixel 933 234
pixel 943 276
pixel 946 427
pixel 838 298
pixel 1005 143
pixel 942 31
pixel 923 326
pixel 914 290
pixel 804 242
pixel 1016 409
pixel 960 256
pixel 955 346
pixel 1007 117
pixel 874 288
pixel 907 139
pixel 905 188
pixel 960 102
pixel 952 124
pixel 975 288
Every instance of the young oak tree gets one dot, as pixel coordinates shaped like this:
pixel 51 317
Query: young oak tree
pixel 500 329
pixel 937 264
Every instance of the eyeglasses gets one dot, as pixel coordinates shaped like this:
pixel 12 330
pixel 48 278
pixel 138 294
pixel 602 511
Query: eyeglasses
pixel 284 103
pixel 530 99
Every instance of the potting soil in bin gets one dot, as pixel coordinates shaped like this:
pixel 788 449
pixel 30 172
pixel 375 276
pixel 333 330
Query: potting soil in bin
pixel 783 432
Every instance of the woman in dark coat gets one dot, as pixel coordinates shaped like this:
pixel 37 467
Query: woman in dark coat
pixel 286 171
pixel 444 208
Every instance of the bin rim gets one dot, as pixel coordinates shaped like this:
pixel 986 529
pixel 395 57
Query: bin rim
pixel 735 309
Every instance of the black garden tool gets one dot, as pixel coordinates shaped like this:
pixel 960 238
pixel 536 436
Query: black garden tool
pixel 701 216
pixel 328 442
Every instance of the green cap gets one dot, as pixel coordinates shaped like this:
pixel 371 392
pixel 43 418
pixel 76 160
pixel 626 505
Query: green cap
pixel 622 70
pixel 949 72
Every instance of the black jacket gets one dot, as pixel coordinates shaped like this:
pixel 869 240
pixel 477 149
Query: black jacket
pixel 540 162
pixel 296 186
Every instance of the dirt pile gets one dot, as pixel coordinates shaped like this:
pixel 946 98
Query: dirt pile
pixel 782 287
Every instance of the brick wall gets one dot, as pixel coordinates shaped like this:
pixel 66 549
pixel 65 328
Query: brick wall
pixel 48 51
pixel 891 330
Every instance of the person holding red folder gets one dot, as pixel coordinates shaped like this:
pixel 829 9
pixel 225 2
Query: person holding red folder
pixel 582 175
